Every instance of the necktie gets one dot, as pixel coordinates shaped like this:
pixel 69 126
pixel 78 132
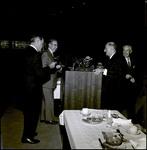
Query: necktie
pixel 129 63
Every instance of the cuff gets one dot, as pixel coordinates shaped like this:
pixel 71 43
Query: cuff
pixel 105 72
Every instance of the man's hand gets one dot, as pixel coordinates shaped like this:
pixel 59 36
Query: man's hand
pixel 132 80
pixel 128 76
pixel 58 66
pixel 52 65
pixel 97 71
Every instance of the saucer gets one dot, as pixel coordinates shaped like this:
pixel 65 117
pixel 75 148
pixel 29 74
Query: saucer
pixel 128 131
pixel 85 114
pixel 116 116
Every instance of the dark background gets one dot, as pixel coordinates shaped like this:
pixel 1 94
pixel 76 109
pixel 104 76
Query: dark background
pixel 82 27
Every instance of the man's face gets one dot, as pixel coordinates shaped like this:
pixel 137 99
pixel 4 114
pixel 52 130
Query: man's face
pixel 40 44
pixel 126 51
pixel 108 50
pixel 53 46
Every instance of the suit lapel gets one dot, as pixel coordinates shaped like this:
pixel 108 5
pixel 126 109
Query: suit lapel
pixel 110 61
pixel 51 56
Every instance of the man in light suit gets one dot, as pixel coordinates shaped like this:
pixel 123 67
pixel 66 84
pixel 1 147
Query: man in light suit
pixel 47 112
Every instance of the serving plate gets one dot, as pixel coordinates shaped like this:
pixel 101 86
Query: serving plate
pixel 92 120
pixel 121 146
pixel 116 116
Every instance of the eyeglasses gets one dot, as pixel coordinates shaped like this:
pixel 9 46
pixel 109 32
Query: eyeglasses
pixel 55 45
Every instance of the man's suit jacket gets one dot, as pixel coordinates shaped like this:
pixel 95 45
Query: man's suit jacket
pixel 33 76
pixel 48 58
pixel 128 85
pixel 115 73
pixel 130 70
pixel 112 83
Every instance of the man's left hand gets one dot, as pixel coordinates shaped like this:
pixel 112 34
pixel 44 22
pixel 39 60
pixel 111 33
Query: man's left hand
pixel 132 80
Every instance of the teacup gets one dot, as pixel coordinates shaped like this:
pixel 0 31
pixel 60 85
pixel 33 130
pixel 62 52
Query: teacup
pixel 133 130
pixel 85 111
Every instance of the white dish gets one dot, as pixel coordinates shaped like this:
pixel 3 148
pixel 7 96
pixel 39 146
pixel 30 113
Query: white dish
pixel 85 114
pixel 128 131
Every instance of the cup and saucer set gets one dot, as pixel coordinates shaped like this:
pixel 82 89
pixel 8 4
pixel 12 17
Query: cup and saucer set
pixel 89 118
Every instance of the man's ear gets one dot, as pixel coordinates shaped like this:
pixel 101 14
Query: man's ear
pixel 37 40
pixel 112 48
pixel 130 51
pixel 49 44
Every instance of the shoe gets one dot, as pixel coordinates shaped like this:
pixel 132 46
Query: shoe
pixel 51 122
pixel 42 121
pixel 35 134
pixel 31 141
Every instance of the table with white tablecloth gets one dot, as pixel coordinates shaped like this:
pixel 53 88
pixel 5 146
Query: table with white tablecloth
pixel 85 136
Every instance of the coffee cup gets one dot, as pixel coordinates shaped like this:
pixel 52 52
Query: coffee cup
pixel 133 130
pixel 85 111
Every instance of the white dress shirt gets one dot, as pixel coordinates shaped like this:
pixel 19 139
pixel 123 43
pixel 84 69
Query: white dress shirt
pixel 51 51
pixel 34 47
pixel 128 61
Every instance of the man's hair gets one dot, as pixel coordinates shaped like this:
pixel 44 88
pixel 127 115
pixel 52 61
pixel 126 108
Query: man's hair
pixel 112 44
pixel 51 40
pixel 34 37
pixel 129 46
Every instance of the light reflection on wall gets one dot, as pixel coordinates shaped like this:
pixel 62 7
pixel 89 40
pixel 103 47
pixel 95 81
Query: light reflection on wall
pixel 19 44
pixel 5 44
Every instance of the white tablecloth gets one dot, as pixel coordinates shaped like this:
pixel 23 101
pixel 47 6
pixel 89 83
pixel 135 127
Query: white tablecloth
pixel 85 136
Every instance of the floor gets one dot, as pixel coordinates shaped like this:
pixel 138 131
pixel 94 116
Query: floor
pixel 50 136
pixel 12 127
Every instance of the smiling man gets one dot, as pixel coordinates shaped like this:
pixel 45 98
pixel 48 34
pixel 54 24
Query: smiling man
pixel 47 112
pixel 131 82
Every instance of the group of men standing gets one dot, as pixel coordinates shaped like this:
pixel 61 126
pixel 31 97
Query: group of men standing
pixel 39 82
pixel 120 81
pixel 40 78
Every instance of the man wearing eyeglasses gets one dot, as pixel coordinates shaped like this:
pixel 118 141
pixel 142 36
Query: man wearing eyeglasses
pixel 47 112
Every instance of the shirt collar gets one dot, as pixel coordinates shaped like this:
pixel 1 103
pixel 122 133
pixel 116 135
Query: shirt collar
pixel 127 58
pixel 111 55
pixel 50 51
pixel 34 47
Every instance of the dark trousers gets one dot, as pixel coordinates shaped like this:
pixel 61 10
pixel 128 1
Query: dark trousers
pixel 111 99
pixel 31 111
pixel 130 95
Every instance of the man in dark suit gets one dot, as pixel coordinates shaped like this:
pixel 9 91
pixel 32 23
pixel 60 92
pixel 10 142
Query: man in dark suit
pixel 130 82
pixel 113 73
pixel 47 111
pixel 34 77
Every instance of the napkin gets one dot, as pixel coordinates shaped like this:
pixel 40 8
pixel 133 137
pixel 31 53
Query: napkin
pixel 139 144
pixel 119 121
